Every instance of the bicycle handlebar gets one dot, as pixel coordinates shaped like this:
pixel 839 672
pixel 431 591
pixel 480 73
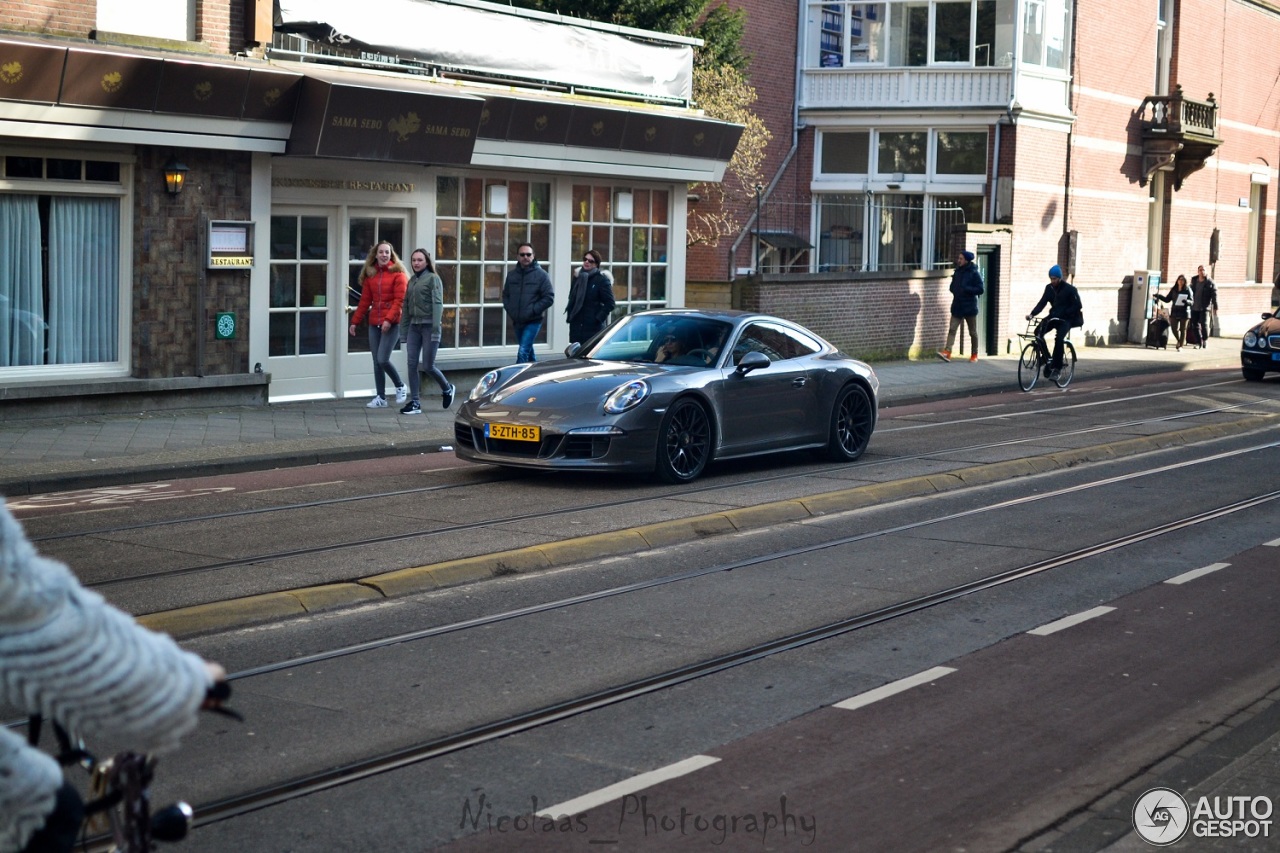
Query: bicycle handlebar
pixel 122 784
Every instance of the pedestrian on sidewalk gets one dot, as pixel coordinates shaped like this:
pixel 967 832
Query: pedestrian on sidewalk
pixel 420 326
pixel 1179 298
pixel 591 299
pixel 1204 295
pixel 382 284
pixel 966 287
pixel 526 295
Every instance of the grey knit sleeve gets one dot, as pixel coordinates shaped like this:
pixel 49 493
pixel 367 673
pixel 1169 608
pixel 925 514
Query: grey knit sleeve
pixel 67 654
pixel 29 782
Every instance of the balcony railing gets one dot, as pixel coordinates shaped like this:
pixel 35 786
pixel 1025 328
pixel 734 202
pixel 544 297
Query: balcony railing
pixel 1178 134
pixel 1177 115
pixel 919 88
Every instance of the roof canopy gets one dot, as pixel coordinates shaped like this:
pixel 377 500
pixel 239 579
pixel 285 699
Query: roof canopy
pixel 494 40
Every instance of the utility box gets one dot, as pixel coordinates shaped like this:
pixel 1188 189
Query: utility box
pixel 1146 283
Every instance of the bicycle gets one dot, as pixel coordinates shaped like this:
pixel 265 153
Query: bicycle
pixel 119 814
pixel 1035 360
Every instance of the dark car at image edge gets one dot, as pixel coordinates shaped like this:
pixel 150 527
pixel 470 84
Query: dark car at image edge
pixel 669 391
pixel 1260 349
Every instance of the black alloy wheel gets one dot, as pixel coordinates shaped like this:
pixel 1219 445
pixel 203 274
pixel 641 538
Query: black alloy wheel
pixel 684 442
pixel 852 420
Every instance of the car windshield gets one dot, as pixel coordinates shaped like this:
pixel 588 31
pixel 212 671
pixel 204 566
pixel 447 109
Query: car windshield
pixel 663 339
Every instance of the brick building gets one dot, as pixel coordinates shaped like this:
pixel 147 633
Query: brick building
pixel 1110 139
pixel 188 190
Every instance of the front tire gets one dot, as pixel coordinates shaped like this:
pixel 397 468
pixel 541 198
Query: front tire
pixel 1068 370
pixel 684 442
pixel 852 421
pixel 1252 374
pixel 1028 367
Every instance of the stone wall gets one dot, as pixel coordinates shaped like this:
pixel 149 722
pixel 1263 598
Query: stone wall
pixel 868 315
pixel 173 333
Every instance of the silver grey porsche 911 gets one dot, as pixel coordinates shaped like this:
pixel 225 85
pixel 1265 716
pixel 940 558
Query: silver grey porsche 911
pixel 669 391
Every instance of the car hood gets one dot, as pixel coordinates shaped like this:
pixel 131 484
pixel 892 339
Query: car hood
pixel 1268 327
pixel 570 382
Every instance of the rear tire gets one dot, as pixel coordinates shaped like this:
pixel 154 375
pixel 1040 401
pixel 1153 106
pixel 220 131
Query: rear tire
pixel 684 442
pixel 852 421
pixel 1028 367
pixel 1068 370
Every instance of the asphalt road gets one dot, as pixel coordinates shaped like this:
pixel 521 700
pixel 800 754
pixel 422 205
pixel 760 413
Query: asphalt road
pixel 1028 734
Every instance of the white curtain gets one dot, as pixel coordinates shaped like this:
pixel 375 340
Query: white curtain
pixel 22 322
pixel 84 280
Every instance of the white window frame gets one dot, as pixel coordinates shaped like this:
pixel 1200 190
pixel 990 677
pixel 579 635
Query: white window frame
pixel 170 19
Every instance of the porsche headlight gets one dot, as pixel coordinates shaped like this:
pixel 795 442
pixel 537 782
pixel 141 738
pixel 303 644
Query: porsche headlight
pixel 484 386
pixel 1251 338
pixel 626 397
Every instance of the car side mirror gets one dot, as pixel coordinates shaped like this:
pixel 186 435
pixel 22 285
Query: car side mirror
pixel 572 349
pixel 752 361
pixel 1267 316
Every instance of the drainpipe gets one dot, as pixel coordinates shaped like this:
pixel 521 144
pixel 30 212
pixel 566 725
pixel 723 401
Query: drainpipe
pixel 1071 132
pixel 753 225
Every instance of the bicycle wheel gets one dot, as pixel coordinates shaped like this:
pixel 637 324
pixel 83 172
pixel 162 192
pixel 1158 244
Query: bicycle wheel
pixel 1028 367
pixel 1063 379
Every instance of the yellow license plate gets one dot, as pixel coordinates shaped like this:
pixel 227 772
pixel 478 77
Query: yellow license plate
pixel 513 432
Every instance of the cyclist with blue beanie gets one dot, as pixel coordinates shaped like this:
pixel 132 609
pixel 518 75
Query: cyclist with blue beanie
pixel 1065 311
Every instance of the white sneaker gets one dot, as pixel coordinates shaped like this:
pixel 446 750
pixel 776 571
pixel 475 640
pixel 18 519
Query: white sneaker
pixel 376 403
pixel 401 394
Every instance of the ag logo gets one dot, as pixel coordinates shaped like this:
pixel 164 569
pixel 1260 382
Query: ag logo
pixel 404 126
pixel 1161 816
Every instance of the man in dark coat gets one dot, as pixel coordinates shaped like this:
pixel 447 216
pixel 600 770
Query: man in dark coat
pixel 1204 295
pixel 526 296
pixel 966 287
pixel 590 299
pixel 1065 311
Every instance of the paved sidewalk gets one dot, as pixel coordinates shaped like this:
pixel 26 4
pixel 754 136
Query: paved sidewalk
pixel 45 455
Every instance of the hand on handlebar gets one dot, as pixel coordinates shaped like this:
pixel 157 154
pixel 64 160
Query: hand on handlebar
pixel 218 693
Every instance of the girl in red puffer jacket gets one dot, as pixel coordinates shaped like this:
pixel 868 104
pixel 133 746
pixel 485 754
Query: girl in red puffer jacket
pixel 382 285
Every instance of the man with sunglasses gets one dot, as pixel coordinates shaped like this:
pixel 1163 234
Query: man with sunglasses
pixel 526 296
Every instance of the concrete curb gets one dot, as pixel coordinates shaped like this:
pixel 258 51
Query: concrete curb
pixel 127 472
pixel 243 612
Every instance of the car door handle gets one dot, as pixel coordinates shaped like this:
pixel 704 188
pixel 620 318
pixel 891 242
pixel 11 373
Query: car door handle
pixel 799 381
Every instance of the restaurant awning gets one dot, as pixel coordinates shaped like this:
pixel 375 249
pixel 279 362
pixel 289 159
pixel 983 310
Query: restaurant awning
pixel 383 117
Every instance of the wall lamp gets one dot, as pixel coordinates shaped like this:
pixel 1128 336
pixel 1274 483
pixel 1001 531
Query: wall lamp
pixel 175 175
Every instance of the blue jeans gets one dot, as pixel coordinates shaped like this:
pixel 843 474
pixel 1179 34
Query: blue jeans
pixel 526 335
pixel 380 346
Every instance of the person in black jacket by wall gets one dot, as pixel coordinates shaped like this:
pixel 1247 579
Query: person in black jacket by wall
pixel 966 287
